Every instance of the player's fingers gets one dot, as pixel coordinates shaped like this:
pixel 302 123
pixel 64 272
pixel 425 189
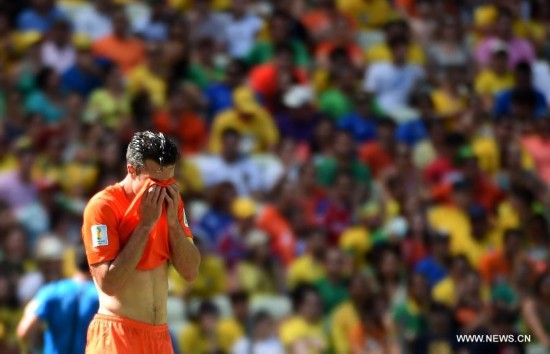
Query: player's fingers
pixel 161 196
pixel 148 194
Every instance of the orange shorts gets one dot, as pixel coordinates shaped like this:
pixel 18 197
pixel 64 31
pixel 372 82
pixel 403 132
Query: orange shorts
pixel 120 335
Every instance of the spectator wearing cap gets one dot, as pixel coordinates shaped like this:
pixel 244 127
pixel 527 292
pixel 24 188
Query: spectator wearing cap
pixel 257 130
pixel 496 76
pixel 178 120
pixel 304 329
pixel 85 75
pixel 66 308
pixel 299 119
pixel 523 87
pixel 49 254
pixel 94 19
pixel 47 99
pixel 393 82
pixel 519 49
pixel 40 16
pixel 120 47
pixel 232 243
pixel 361 123
pixel 58 52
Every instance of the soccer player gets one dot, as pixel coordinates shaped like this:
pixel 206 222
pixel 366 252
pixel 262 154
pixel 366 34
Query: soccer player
pixel 131 230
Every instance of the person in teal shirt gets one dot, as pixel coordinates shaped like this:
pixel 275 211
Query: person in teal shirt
pixel 47 99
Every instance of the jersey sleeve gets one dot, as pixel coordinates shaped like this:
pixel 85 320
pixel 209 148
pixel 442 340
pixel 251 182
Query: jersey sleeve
pixel 100 232
pixel 183 220
pixel 41 303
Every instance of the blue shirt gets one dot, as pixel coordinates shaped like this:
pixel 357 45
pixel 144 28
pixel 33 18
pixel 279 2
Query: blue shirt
pixel 38 102
pixel 431 270
pixel 503 104
pixel 58 304
pixel 412 132
pixel 77 80
pixel 362 129
pixel 220 98
pixel 211 226
pixel 30 20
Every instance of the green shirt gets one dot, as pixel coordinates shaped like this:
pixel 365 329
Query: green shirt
pixel 335 103
pixel 203 76
pixel 409 318
pixel 263 52
pixel 328 169
pixel 331 294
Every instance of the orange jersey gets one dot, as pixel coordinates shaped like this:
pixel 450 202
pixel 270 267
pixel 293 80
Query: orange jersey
pixel 110 218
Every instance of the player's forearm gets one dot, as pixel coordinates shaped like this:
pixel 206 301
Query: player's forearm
pixel 185 256
pixel 125 263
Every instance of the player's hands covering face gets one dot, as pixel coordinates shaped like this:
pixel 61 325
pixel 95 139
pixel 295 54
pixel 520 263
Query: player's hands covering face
pixel 151 205
pixel 172 201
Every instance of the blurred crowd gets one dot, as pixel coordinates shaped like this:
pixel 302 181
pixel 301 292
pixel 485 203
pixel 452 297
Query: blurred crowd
pixel 361 176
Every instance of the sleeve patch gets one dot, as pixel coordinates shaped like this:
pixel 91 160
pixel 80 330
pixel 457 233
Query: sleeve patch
pixel 99 235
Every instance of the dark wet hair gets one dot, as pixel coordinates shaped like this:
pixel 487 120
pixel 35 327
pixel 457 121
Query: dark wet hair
pixel 150 146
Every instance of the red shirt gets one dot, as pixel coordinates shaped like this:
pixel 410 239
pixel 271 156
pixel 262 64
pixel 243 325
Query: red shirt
pixel 189 129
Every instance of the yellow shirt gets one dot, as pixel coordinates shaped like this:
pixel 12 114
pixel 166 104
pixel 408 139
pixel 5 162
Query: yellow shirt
pixel 78 176
pixel 254 279
pixel 193 341
pixel 304 270
pixel 141 78
pixel 381 52
pixel 356 240
pixel 457 223
pixel 211 281
pixel 106 108
pixel 296 328
pixel 487 152
pixel 488 83
pixel 343 320
pixel 445 292
pixel 184 5
pixel 446 105
pixel 8 162
pixel 258 134
pixel 368 13
pixel 189 177
pixel 486 15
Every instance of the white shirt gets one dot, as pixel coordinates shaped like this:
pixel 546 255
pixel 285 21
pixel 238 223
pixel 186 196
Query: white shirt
pixel 58 58
pixel 268 346
pixel 541 78
pixel 241 34
pixel 92 23
pixel 392 84
pixel 244 173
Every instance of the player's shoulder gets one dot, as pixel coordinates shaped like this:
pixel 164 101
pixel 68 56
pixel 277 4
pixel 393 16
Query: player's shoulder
pixel 108 198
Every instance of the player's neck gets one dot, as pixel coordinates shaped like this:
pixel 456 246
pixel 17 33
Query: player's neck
pixel 126 185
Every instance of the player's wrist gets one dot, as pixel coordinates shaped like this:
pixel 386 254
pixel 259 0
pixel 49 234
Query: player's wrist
pixel 146 225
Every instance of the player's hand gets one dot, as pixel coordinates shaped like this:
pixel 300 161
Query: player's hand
pixel 151 205
pixel 172 202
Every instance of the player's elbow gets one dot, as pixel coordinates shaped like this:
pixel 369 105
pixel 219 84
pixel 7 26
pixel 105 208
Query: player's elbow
pixel 190 274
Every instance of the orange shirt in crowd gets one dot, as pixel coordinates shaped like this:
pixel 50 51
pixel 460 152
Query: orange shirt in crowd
pixel 538 148
pixel 110 219
pixel 493 265
pixel 126 53
pixel 278 228
pixel 320 23
pixel 361 339
pixel 264 79
pixel 375 157
pixel 189 129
